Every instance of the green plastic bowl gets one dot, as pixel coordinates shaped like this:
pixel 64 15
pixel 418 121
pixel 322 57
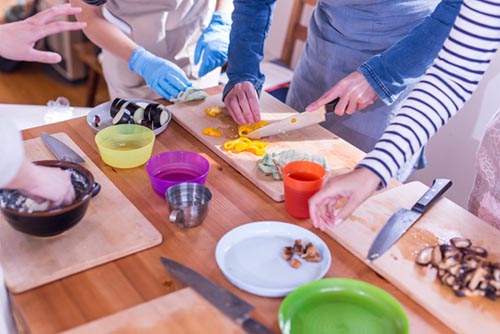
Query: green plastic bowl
pixel 341 305
pixel 125 145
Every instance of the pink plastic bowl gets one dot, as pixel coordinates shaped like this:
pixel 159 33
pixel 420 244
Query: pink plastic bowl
pixel 169 168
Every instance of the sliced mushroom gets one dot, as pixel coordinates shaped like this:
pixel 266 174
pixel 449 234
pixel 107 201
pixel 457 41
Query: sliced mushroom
pixel 287 253
pixel 311 253
pixel 298 247
pixel 479 251
pixel 424 258
pixel 459 242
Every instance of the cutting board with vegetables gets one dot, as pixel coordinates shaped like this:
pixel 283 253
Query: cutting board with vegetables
pixel 313 139
pixel 111 228
pixel 443 221
pixel 180 312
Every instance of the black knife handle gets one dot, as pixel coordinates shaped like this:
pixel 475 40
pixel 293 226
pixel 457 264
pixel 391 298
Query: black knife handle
pixel 439 187
pixel 252 326
pixel 330 106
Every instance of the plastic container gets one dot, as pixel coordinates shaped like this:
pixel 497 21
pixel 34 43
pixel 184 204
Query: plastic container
pixel 302 179
pixel 170 168
pixel 125 145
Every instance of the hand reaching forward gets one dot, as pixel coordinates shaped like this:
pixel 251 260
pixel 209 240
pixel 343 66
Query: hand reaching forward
pixel 17 39
pixel 164 77
pixel 340 196
pixel 44 183
pixel 242 102
pixel 354 91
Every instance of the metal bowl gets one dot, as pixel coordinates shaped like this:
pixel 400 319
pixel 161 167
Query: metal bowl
pixel 55 221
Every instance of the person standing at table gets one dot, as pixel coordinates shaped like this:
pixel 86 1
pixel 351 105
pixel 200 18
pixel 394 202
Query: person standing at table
pixel 365 52
pixel 16 171
pixel 151 48
pixel 447 85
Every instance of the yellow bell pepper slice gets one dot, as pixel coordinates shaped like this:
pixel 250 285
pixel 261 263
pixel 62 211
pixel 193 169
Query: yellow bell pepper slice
pixel 244 144
pixel 244 130
pixel 213 111
pixel 212 132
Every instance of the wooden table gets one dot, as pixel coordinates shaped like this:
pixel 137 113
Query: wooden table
pixel 132 280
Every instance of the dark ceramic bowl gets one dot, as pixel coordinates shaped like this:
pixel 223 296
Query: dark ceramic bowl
pixel 55 221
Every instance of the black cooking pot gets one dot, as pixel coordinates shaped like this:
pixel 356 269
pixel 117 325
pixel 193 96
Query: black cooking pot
pixel 55 221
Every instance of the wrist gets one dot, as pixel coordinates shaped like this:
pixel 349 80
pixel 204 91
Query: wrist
pixel 137 59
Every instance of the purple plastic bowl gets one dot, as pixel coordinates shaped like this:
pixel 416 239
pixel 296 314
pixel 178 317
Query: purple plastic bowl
pixel 170 168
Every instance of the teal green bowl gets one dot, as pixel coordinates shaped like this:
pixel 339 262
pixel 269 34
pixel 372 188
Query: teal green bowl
pixel 341 306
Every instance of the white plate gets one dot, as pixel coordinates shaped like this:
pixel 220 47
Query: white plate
pixel 250 258
pixel 103 111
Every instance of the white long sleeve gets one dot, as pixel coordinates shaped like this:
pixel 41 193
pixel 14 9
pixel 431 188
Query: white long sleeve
pixel 447 85
pixel 11 151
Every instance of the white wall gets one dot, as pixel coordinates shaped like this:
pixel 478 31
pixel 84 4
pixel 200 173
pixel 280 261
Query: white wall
pixel 451 152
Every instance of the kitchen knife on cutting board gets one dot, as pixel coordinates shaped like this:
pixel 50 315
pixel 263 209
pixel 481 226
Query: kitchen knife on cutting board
pixel 403 219
pixel 299 121
pixel 65 153
pixel 224 300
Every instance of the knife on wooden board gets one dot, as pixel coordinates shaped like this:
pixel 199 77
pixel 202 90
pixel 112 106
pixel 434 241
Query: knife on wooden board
pixel 403 219
pixel 64 153
pixel 294 122
pixel 225 301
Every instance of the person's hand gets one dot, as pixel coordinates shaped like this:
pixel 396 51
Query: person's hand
pixel 19 38
pixel 242 102
pixel 44 183
pixel 163 76
pixel 53 184
pixel 340 196
pixel 213 43
pixel 354 91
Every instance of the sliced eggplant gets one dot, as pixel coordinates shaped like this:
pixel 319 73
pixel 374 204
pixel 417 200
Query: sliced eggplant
pixel 460 242
pixel 116 105
pixel 424 258
pixel 123 116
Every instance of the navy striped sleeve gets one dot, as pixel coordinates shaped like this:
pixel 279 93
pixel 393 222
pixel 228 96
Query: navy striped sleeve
pixel 444 89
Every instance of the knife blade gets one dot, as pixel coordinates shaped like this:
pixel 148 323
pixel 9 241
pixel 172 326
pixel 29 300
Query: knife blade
pixel 403 219
pixel 294 122
pixel 60 150
pixel 224 300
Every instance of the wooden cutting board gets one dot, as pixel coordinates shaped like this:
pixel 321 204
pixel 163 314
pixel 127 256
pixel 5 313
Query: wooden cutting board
pixel 312 139
pixel 443 221
pixel 111 228
pixel 180 312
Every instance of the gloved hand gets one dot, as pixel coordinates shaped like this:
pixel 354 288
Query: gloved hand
pixel 163 76
pixel 213 43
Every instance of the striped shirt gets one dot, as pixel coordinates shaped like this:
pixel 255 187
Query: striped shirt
pixel 447 85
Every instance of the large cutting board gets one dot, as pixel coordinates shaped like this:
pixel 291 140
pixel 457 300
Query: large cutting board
pixel 313 139
pixel 180 312
pixel 111 228
pixel 443 221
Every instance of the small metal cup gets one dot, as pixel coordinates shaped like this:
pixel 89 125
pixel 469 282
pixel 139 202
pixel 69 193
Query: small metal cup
pixel 188 203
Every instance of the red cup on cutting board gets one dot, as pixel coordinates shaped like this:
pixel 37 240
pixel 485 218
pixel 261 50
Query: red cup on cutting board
pixel 301 179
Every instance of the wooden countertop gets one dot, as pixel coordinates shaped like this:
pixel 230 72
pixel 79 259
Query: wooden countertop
pixel 130 281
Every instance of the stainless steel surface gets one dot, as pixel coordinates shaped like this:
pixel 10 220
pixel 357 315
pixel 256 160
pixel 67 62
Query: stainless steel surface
pixel 224 300
pixel 403 219
pixel 188 203
pixel 60 150
pixel 294 122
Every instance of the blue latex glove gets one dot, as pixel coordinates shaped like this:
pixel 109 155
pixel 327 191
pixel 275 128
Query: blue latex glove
pixel 213 43
pixel 163 76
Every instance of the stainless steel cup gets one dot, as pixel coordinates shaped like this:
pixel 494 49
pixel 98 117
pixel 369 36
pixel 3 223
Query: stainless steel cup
pixel 188 203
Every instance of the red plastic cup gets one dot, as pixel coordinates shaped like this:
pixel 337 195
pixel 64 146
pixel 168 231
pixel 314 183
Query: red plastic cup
pixel 302 179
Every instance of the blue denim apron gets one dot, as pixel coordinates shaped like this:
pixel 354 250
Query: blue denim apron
pixel 342 35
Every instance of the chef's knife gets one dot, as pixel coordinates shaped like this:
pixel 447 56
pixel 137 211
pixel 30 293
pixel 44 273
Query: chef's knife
pixel 60 150
pixel 63 152
pixel 298 121
pixel 224 300
pixel 403 219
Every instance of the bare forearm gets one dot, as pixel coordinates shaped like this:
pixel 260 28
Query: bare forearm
pixel 103 33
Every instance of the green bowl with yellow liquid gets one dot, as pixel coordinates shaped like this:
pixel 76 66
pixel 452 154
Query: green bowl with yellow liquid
pixel 125 145
pixel 341 306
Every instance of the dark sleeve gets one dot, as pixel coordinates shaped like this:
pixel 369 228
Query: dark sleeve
pixel 251 22
pixel 391 71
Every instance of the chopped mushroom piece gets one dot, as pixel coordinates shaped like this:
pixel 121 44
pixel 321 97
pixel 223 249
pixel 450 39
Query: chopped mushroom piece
pixel 295 263
pixel 311 253
pixel 463 267
pixel 287 253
